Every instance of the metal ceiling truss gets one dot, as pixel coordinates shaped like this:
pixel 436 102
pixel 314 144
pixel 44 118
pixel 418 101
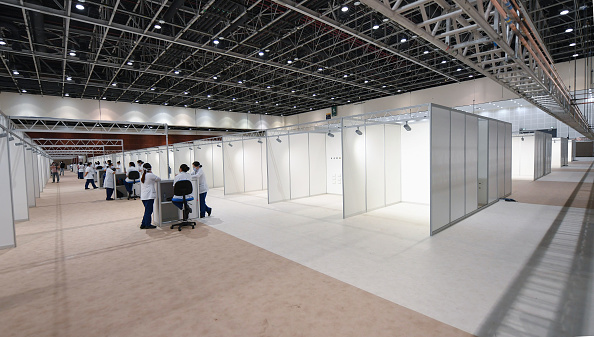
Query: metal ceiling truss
pixel 495 39
pixel 55 146
pixel 46 124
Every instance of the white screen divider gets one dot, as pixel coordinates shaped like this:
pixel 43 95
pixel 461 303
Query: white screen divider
pixel 7 233
pixel 279 177
pixel 19 180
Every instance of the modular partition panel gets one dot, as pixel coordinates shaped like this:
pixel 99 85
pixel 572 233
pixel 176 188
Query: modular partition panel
pixel 153 159
pixel 217 165
pixel 523 156
pixel 19 180
pixel 470 163
pixel 203 153
pixel 559 152
pixel 161 153
pixel 278 163
pixel 30 158
pixel 353 169
pixel 7 233
pixel 183 154
pixel 242 163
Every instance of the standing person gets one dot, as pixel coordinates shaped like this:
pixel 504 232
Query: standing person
pixel 89 175
pixel 109 182
pixel 203 188
pixel 140 168
pixel 148 193
pixel 119 167
pixel 179 200
pixel 54 172
pixel 81 170
pixel 129 183
pixel 62 167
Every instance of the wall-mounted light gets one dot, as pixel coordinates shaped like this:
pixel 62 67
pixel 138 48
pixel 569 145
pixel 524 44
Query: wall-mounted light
pixel 218 145
pixel 522 138
pixel 406 126
pixel 260 141
pixel 230 145
pixel 358 131
pixel 278 139
pixel 330 134
pixel 198 147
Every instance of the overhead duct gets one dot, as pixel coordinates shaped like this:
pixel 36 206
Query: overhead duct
pixel 172 10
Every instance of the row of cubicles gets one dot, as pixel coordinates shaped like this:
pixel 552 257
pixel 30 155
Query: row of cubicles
pixel 450 162
pixel 24 171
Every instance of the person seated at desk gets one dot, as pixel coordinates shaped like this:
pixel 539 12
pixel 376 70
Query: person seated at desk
pixel 179 200
pixel 129 183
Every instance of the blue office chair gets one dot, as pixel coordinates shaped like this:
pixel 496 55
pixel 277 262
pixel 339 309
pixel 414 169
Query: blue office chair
pixel 184 187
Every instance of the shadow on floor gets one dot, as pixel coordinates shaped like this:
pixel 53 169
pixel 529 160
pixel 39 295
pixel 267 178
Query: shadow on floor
pixel 549 297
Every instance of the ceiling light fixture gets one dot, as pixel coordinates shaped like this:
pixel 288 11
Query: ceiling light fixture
pixel 176 72
pixel 216 42
pixel 406 126
pixel 344 9
pixel 403 40
pixel 2 42
pixel 15 72
pixel 358 131
pixel 569 30
pixel 79 6
pixel 215 77
pixel 261 53
pixel 131 62
pixel 564 12
pixel 572 44
pixel 330 134
pixel 67 94
pixel 153 89
pixel 278 139
pixel 575 55
pixel 426 52
pixel 157 26
pixel 114 84
pixel 444 61
pixel 72 53
pixel 375 27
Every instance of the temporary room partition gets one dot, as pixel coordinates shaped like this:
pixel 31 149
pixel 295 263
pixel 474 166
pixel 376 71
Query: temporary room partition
pixel 19 179
pixel 7 233
pixel 304 160
pixel 532 154
pixel 559 152
pixel 183 153
pixel 209 153
pixel 152 157
pixel 244 162
pixel 570 150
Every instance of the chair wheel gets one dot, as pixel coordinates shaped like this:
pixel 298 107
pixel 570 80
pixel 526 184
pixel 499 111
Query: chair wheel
pixel 171 227
pixel 192 227
pixel 179 229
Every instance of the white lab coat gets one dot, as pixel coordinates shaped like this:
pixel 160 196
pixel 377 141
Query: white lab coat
pixel 109 178
pixel 182 176
pixel 202 185
pixel 148 190
pixel 81 168
pixel 90 172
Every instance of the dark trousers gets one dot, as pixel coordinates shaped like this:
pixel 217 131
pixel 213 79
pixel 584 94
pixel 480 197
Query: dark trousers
pixel 128 186
pixel 109 193
pixel 61 171
pixel 203 208
pixel 179 204
pixel 54 176
pixel 148 212
pixel 81 175
pixel 90 181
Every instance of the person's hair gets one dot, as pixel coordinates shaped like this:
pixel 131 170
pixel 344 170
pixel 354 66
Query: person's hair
pixel 118 162
pixel 80 163
pixel 147 168
pixel 132 164
pixel 139 161
pixel 109 161
pixel 184 167
pixel 196 164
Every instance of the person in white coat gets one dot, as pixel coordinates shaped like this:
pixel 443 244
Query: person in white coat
pixel 89 176
pixel 109 182
pixel 81 170
pixel 129 183
pixel 178 200
pixel 202 187
pixel 148 193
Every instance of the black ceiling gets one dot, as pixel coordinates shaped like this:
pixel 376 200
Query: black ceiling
pixel 269 59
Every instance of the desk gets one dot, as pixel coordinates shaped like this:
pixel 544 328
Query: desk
pixel 165 212
pixel 101 178
pixel 120 188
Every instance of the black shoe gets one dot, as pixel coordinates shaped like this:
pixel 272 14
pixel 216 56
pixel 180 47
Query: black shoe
pixel 108 199
pixel 150 227
pixel 209 212
pixel 86 188
pixel 95 188
pixel 142 227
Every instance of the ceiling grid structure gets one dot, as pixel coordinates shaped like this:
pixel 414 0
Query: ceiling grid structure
pixel 284 57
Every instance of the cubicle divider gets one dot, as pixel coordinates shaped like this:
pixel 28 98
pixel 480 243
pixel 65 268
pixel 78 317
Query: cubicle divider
pixel 304 160
pixel 559 152
pixel 183 154
pixel 7 233
pixel 244 169
pixel 19 180
pixel 209 153
pixel 31 159
pixel 531 155
pixel 461 184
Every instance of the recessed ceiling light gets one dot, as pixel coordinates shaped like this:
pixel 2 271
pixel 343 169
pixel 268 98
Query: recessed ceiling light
pixel 268 87
pixel 345 76
pixel 292 91
pixel 470 76
pixel 72 53
pixel 240 81
pixel 130 62
pixel 2 42
pixel 575 55
pixel 157 26
pixel 349 101
pixel 289 61
pixel 176 72
pixel 103 97
pixel 186 93
pixel 332 98
pixel 136 101
pixel 569 30
pixel 66 94
pixel 385 20
pixel 114 84
pixel 153 89
pixel 294 106
pixel 15 72
pixel 216 42
pixel 257 102
pixel 261 53
pixel 23 90
pixel 459 69
pixel 383 86
pixel 80 7
pixel 426 52
pixel 320 69
pixel 344 9
pixel 375 27
pixel 208 108
pixel 444 61
pixel 366 81
pixel 403 40
pixel 276 104
pixel 563 12
pixel 166 103
pixel 208 96
pixel 233 98
pixel 572 44
pixel 399 90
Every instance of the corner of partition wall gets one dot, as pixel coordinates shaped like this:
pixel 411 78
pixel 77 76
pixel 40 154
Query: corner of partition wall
pixel 430 110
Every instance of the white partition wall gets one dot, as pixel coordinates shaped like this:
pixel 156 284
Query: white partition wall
pixel 469 156
pixel 531 155
pixel 183 154
pixel 30 158
pixel 7 233
pixel 559 152
pixel 153 159
pixel 19 180
pixel 244 169
pixel 304 160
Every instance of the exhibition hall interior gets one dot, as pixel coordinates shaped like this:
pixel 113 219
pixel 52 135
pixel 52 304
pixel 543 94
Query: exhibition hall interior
pixel 312 168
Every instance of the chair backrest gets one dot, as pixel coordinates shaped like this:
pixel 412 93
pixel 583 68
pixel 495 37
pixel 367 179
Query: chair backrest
pixel 134 175
pixel 182 187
